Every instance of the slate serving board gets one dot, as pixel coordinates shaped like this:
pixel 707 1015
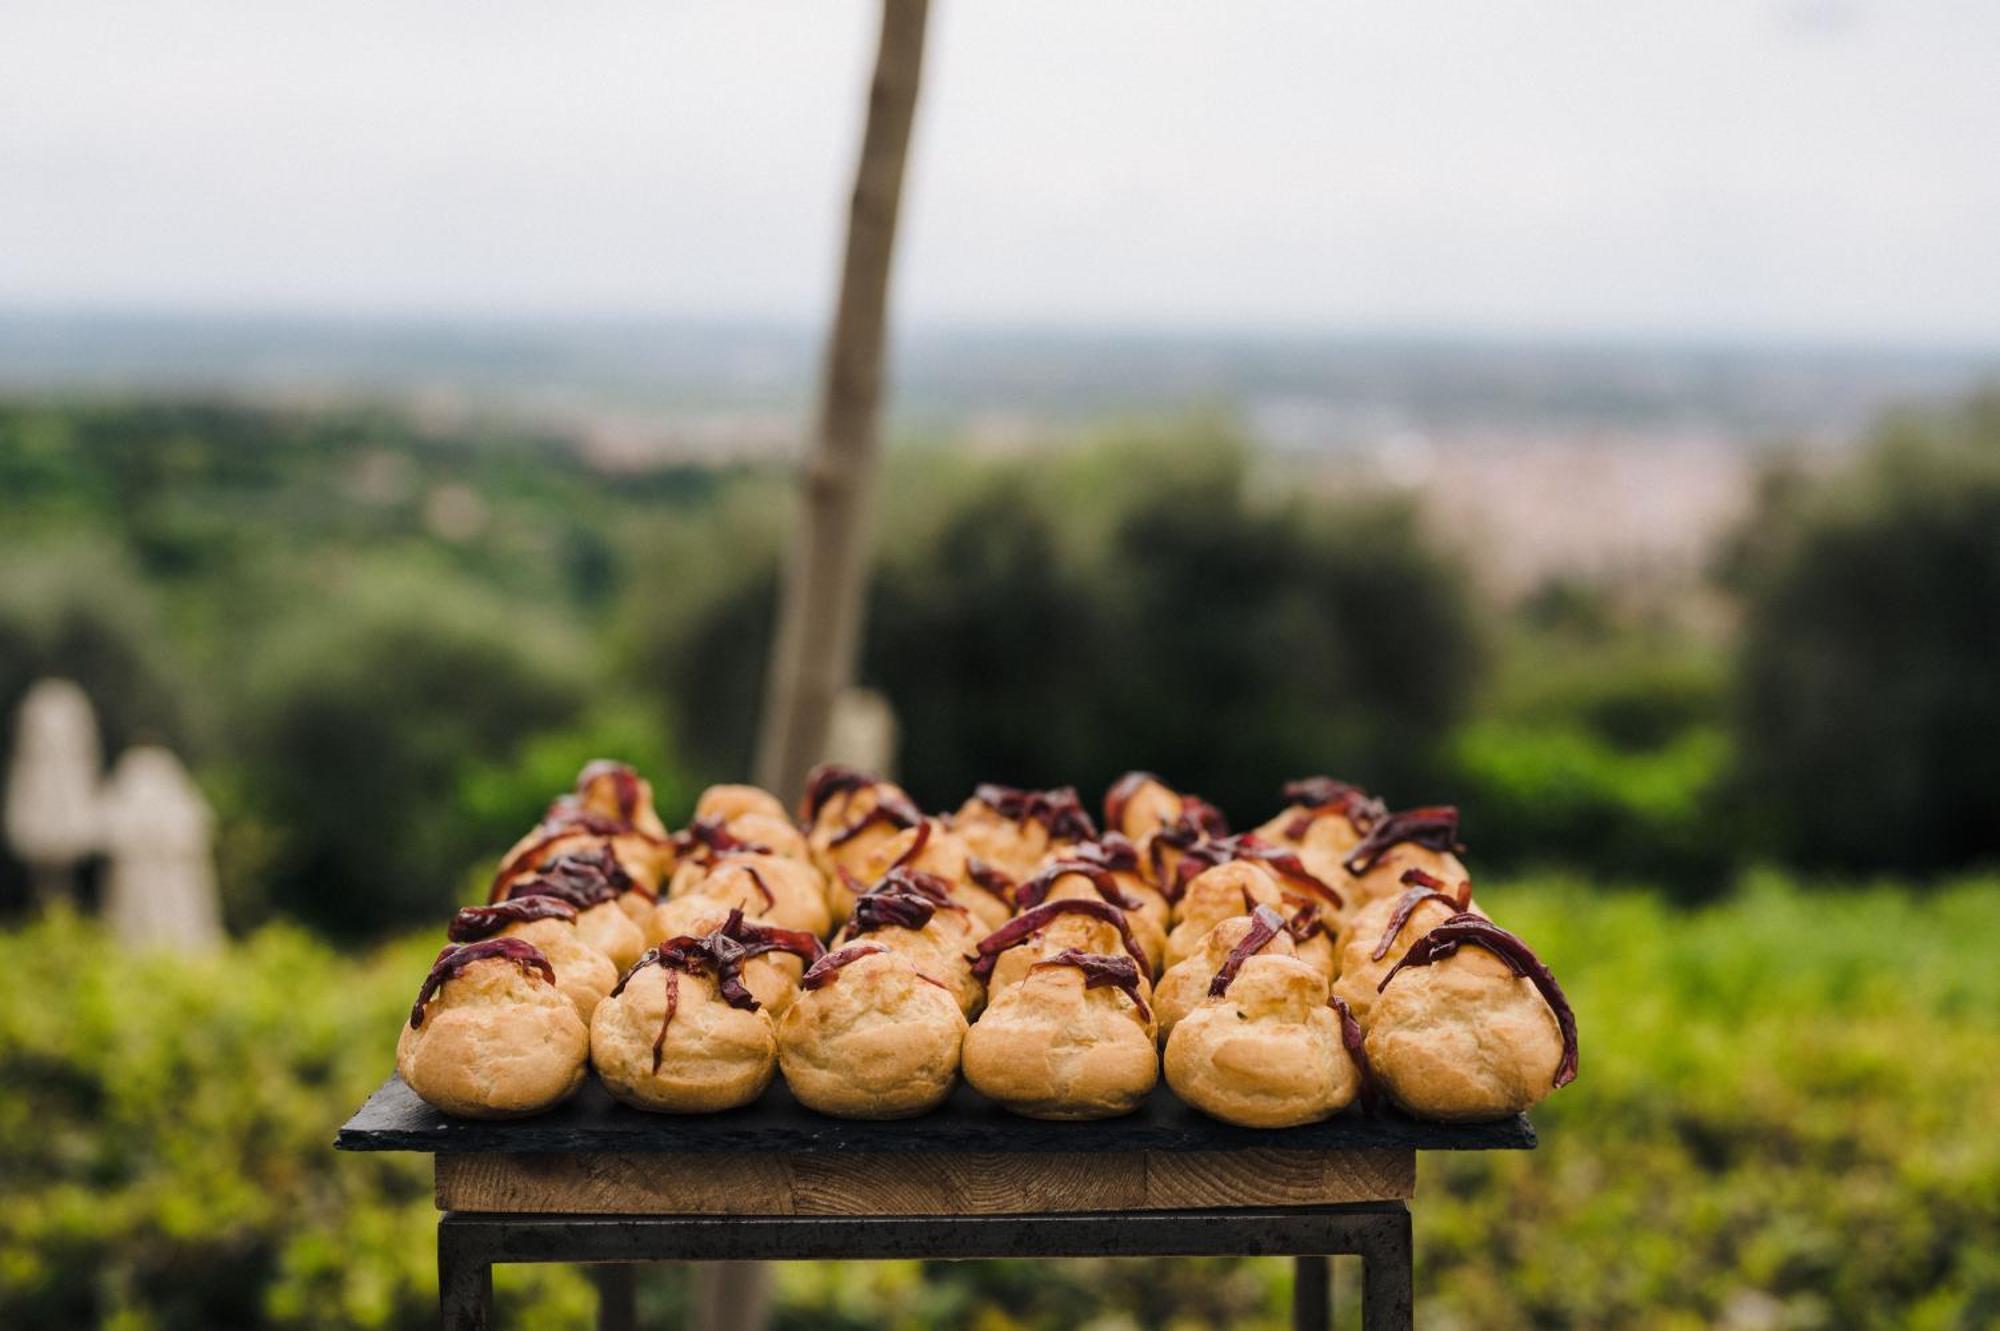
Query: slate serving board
pixel 394 1119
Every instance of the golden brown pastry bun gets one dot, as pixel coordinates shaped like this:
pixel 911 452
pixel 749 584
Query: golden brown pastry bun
pixel 1425 839
pixel 1378 935
pixel 682 1034
pixel 702 841
pixel 1470 1025
pixel 592 881
pixel 848 814
pixel 771 974
pixel 1013 829
pixel 1139 804
pixel 1322 821
pixel 1185 985
pixel 548 924
pixel 1266 1052
pixel 788 893
pixel 930 847
pixel 723 803
pixel 1081 880
pixel 1088 925
pixel 490 1035
pixel 870 1036
pixel 1072 1040
pixel 911 913
pixel 1235 887
pixel 1116 855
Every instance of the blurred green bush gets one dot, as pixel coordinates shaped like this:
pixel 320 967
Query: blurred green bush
pixel 1784 1119
pixel 1151 601
pixel 1868 712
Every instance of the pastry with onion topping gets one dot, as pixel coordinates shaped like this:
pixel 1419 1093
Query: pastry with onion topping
pixel 1184 986
pixel 1082 880
pixel 594 882
pixel 1116 855
pixel 709 837
pixel 1323 820
pixel 1072 1040
pixel 490 1035
pixel 1425 838
pixel 611 807
pixel 986 893
pixel 1160 821
pixel 1013 829
pixel 1383 930
pixel 547 923
pixel 848 814
pixel 682 1033
pixel 871 1036
pixel 725 803
pixel 911 913
pixel 1266 1048
pixel 1312 905
pixel 1237 887
pixel 774 957
pixel 783 891
pixel 1470 1025
pixel 1073 924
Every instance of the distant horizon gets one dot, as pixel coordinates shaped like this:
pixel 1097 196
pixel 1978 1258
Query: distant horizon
pixel 1417 337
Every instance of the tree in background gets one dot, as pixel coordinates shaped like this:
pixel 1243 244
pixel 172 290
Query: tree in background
pixel 1060 619
pixel 1868 709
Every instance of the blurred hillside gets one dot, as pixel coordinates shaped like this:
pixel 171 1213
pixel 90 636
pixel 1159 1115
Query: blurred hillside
pixel 382 638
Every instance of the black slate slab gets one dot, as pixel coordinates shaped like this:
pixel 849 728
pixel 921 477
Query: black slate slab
pixel 394 1119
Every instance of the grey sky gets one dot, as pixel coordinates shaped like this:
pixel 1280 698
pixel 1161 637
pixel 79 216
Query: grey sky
pixel 1733 168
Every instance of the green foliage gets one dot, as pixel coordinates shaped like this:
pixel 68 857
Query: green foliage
pixel 1054 620
pixel 368 729
pixel 1783 1119
pixel 1869 704
pixel 165 1134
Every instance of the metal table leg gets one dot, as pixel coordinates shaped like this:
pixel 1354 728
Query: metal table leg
pixel 617 1297
pixel 470 1244
pixel 1312 1293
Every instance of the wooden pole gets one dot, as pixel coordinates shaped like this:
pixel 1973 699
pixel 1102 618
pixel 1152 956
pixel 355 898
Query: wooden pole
pixel 820 605
pixel 820 602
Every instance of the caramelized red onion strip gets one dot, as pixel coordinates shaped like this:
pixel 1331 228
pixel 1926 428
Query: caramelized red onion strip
pixel 1317 796
pixel 1356 1041
pixel 1102 972
pixel 1058 810
pixel 1030 922
pixel 476 922
pixel 1479 931
pixel 1406 906
pixel 1434 827
pixel 828 968
pixel 455 959
pixel 1036 890
pixel 1265 924
pixel 584 878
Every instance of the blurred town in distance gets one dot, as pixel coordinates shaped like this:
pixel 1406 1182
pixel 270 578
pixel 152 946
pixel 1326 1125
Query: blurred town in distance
pixel 1540 458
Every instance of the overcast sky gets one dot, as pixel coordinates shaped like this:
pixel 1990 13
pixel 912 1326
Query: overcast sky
pixel 1822 169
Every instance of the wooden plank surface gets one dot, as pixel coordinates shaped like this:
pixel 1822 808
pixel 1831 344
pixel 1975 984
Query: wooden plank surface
pixel 394 1119
pixel 856 1183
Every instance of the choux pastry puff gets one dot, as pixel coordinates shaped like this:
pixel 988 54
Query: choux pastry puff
pixel 1424 839
pixel 1471 1025
pixel 1072 1040
pixel 583 973
pixel 871 1036
pixel 1013 829
pixel 911 912
pixel 1265 1048
pixel 490 1035
pixel 682 1033
pixel 592 881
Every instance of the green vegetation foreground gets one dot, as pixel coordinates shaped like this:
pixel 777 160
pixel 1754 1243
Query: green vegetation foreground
pixel 1784 1119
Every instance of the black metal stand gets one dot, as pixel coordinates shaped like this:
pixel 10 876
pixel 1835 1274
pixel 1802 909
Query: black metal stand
pixel 469 1246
